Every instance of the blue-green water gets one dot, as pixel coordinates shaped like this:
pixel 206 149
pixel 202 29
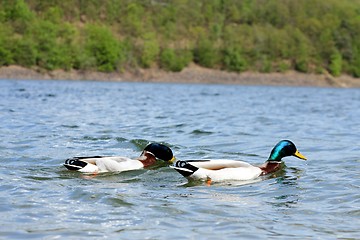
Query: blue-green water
pixel 45 122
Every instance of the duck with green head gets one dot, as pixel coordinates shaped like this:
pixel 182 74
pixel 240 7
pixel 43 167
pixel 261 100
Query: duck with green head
pixel 223 169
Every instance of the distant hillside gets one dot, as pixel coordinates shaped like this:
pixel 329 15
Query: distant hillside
pixel 310 36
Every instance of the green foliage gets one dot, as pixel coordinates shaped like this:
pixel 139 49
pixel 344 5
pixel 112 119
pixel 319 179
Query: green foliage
pixel 5 54
pixel 54 15
pixel 234 59
pixel 206 54
pixel 355 65
pixel 283 66
pixel 335 66
pixel 149 50
pixel 175 60
pixel 19 10
pixel 259 35
pixel 19 14
pixel 301 50
pixel 102 46
pixel 6 57
pixel 44 34
pixel 24 52
pixel 264 64
pixel 133 23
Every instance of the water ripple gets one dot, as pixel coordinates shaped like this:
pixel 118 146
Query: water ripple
pixel 317 199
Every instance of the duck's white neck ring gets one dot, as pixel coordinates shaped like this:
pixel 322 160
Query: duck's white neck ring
pixel 272 161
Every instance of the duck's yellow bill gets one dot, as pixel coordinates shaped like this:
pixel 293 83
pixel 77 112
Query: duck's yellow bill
pixel 299 155
pixel 173 159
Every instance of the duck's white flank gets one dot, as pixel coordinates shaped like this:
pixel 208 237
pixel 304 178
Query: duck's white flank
pixel 223 169
pixel 110 164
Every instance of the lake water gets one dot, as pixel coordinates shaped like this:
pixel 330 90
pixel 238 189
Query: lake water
pixel 45 122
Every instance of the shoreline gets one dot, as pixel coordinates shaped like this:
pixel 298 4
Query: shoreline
pixel 191 74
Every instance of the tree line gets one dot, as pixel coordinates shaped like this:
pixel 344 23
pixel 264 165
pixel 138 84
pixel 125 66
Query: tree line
pixel 310 36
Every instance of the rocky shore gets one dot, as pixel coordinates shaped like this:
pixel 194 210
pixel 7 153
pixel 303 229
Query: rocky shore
pixel 192 74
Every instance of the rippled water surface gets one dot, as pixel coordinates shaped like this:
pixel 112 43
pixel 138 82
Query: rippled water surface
pixel 45 122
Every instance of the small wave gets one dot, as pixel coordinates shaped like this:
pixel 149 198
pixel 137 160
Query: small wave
pixel 201 132
pixel 69 126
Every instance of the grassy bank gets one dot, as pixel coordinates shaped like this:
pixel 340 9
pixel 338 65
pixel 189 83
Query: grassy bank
pixel 120 36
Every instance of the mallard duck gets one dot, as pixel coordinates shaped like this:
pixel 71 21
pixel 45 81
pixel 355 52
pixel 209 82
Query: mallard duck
pixel 223 170
pixel 99 164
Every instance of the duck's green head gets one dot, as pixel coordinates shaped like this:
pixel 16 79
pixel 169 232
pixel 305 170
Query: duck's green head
pixel 160 151
pixel 284 148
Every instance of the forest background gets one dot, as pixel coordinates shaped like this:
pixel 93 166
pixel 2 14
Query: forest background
pixel 308 36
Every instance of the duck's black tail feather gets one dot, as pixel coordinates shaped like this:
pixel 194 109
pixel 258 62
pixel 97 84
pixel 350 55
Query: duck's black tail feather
pixel 75 164
pixel 185 168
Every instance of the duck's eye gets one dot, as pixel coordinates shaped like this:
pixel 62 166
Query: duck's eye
pixel 180 164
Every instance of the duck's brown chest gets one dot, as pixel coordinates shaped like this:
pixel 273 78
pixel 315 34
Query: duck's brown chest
pixel 270 167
